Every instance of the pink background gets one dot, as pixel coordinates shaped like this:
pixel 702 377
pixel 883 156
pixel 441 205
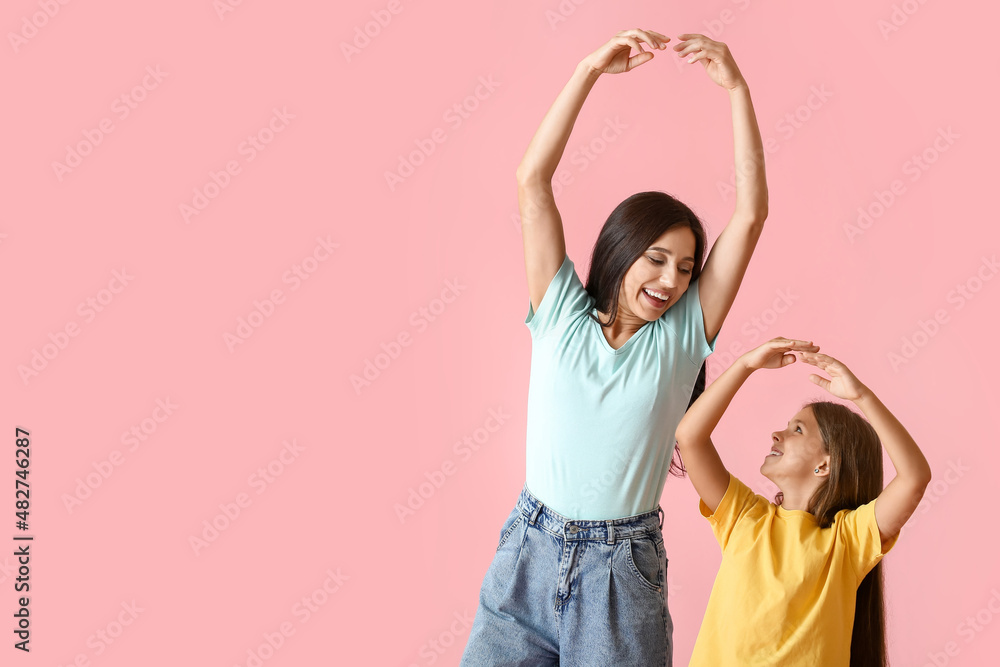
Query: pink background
pixel 446 359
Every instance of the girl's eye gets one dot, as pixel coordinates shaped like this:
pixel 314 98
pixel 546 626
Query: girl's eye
pixel 655 261
pixel 799 429
pixel 686 271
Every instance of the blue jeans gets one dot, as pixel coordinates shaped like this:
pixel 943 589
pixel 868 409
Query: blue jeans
pixel 573 593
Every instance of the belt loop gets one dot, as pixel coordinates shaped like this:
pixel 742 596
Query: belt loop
pixel 534 515
pixel 611 532
pixel 661 513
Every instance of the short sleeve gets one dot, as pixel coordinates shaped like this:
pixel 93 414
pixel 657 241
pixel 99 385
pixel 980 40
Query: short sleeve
pixel 687 323
pixel 864 542
pixel 564 296
pixel 738 499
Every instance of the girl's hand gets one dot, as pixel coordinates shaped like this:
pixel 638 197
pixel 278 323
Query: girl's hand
pixel 613 57
pixel 776 353
pixel 842 382
pixel 714 56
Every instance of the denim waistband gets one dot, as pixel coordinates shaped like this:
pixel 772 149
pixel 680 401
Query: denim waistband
pixel 609 530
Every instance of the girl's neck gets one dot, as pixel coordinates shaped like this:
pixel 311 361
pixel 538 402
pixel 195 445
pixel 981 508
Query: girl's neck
pixel 796 499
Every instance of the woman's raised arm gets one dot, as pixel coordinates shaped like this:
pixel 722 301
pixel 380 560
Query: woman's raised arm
pixel 541 225
pixel 728 260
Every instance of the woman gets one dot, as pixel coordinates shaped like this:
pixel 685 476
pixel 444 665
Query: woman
pixel 579 575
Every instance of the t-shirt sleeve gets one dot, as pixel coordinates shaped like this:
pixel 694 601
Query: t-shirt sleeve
pixel 564 296
pixel 864 543
pixel 686 321
pixel 738 499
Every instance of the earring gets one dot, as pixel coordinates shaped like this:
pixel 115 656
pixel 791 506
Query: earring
pixel 816 470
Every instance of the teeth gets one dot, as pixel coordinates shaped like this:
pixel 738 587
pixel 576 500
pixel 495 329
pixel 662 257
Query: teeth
pixel 774 453
pixel 658 295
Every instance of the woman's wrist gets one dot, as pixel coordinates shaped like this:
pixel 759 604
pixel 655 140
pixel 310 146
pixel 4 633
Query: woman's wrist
pixel 586 69
pixel 740 87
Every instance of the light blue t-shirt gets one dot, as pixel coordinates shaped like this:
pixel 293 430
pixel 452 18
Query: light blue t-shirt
pixel 601 421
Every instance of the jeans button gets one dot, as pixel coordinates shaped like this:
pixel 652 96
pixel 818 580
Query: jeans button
pixel 573 530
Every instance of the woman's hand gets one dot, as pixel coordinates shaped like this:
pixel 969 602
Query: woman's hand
pixel 842 383
pixel 776 353
pixel 714 56
pixel 613 57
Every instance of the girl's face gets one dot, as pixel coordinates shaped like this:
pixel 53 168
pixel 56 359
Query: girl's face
pixel 665 269
pixel 797 452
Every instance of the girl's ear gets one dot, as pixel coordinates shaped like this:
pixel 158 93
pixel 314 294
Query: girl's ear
pixel 823 470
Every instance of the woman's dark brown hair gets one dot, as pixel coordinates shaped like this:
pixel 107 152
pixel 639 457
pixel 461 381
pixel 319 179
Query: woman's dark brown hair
pixel 629 231
pixel 855 479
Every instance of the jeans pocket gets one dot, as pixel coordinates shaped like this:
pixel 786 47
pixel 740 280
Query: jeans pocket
pixel 645 556
pixel 509 526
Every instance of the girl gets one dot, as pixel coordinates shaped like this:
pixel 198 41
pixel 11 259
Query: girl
pixel 798 574
pixel 579 574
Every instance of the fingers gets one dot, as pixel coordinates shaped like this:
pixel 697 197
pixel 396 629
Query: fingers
pixel 793 344
pixel 701 55
pixel 701 48
pixel 639 59
pixel 823 361
pixel 685 48
pixel 654 39
pixel 823 382
pixel 633 42
pixel 695 42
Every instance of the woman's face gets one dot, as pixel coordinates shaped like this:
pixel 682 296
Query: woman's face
pixel 665 269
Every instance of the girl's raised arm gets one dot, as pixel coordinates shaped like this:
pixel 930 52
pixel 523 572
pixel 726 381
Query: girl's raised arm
pixel 728 260
pixel 541 225
pixel 708 475
pixel 901 496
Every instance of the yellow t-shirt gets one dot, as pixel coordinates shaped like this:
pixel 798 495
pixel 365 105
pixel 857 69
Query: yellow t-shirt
pixel 786 589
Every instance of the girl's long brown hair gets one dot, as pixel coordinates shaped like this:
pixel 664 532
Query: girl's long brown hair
pixel 855 479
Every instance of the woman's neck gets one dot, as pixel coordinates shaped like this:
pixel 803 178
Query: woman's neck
pixel 624 326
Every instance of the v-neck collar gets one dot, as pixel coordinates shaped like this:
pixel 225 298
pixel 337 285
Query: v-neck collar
pixel 604 341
